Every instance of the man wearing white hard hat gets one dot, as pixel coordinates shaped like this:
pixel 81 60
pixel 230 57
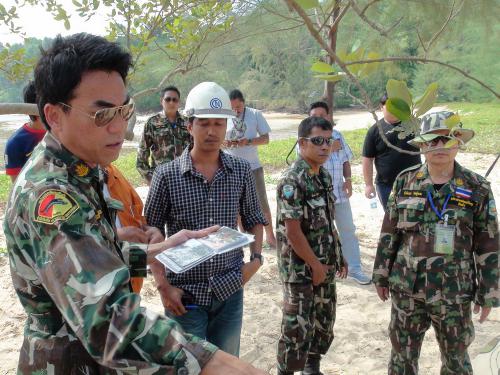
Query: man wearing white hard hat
pixel 204 187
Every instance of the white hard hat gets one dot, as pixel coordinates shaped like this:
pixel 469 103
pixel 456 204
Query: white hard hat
pixel 208 100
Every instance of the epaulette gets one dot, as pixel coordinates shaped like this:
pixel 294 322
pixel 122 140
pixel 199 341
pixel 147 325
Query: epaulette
pixel 407 170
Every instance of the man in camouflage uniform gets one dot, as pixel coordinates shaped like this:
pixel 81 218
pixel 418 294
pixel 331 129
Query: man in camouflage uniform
pixel 165 135
pixel 438 251
pixel 308 252
pixel 69 270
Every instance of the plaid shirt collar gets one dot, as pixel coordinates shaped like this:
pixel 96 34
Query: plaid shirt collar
pixel 186 163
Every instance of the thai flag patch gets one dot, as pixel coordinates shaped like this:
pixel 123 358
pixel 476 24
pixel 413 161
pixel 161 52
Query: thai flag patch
pixel 463 193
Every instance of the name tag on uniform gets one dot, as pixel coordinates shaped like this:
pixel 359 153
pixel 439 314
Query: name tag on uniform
pixel 444 239
pixel 462 202
pixel 412 193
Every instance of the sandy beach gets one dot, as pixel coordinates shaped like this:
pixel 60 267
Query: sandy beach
pixel 361 344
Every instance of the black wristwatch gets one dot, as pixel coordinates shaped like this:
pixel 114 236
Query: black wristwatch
pixel 257 256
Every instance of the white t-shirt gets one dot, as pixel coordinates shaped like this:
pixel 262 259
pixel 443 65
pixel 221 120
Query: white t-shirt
pixel 256 125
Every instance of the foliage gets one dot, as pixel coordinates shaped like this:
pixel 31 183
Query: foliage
pixel 5 186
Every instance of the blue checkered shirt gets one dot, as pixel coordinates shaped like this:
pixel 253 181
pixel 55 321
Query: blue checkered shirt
pixel 335 166
pixel 181 198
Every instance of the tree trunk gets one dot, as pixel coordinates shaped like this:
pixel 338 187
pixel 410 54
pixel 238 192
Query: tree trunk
pixel 329 88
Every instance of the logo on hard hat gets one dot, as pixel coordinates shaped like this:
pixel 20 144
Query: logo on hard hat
pixel 216 103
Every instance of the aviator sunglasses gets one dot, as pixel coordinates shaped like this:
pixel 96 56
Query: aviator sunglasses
pixel 104 116
pixel 169 99
pixel 320 140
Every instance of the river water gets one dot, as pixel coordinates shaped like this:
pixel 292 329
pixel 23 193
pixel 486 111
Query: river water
pixel 283 125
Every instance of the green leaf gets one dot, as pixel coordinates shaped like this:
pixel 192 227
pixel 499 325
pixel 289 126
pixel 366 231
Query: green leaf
pixel 356 45
pixel 399 108
pixel 330 77
pixel 372 67
pixel 322 67
pixel 398 89
pixel 308 4
pixel 451 121
pixel 451 143
pixel 426 101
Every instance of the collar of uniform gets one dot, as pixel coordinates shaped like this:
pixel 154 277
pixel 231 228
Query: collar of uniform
pixel 186 164
pixel 178 117
pixel 62 156
pixel 449 188
pixel 300 163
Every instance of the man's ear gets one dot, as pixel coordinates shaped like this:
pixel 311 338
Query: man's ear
pixel 190 127
pixel 53 115
pixel 301 142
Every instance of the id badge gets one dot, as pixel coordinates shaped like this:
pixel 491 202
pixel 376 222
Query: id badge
pixel 444 239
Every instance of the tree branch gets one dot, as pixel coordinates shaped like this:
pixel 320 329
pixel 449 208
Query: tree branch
pixel 425 60
pixel 363 11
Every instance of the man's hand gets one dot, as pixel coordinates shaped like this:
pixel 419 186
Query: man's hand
pixel 485 311
pixel 249 269
pixel 319 273
pixel 370 191
pixel 336 145
pixel 344 271
pixel 347 187
pixel 241 142
pixel 132 234
pixel 171 299
pixel 154 235
pixel 224 363
pixel 184 235
pixel 383 292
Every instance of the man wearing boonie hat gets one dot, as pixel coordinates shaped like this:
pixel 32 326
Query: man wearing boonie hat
pixel 206 185
pixel 438 250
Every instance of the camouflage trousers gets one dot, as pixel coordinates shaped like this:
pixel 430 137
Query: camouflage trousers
pixel 307 324
pixel 412 317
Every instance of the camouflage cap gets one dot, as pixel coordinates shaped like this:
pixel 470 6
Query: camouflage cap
pixel 435 121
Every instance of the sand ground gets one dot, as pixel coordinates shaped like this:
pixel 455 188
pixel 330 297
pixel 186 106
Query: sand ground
pixel 361 344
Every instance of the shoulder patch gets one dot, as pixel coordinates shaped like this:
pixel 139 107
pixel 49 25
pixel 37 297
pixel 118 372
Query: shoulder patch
pixel 54 205
pixel 288 191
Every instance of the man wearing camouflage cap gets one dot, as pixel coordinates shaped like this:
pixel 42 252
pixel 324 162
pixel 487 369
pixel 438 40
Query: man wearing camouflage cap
pixel 309 252
pixel 438 251
pixel 69 270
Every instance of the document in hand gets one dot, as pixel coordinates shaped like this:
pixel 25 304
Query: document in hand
pixel 183 257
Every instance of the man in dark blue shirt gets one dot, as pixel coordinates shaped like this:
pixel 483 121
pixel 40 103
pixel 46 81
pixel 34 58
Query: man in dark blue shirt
pixel 21 144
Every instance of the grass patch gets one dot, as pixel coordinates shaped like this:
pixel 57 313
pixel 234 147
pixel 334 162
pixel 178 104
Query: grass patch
pixel 5 186
pixel 484 119
pixel 126 165
pixel 3 251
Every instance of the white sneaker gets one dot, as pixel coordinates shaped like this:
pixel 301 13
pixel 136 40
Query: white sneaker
pixel 360 277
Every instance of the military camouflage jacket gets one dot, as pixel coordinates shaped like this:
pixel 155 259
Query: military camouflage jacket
pixel 309 198
pixel 161 142
pixel 72 276
pixel 407 260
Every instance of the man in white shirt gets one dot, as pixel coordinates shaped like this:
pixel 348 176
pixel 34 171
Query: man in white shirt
pixel 249 130
pixel 339 167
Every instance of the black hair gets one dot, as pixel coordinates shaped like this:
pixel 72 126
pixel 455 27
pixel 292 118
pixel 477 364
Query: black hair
pixel 319 105
pixel 29 96
pixel 61 67
pixel 383 99
pixel 307 125
pixel 236 94
pixel 170 88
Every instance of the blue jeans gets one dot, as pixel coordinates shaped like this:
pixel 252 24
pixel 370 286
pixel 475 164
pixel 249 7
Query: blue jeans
pixel 383 191
pixel 347 232
pixel 220 323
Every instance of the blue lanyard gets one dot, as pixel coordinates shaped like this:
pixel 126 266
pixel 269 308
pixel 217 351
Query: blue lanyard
pixel 433 206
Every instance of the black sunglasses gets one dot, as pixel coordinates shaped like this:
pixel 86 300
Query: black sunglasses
pixel 441 138
pixel 320 140
pixel 169 99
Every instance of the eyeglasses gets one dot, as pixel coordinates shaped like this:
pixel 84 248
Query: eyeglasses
pixel 320 140
pixel 168 99
pixel 104 116
pixel 442 138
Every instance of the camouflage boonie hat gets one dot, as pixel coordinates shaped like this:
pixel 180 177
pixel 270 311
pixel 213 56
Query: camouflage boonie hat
pixel 436 121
